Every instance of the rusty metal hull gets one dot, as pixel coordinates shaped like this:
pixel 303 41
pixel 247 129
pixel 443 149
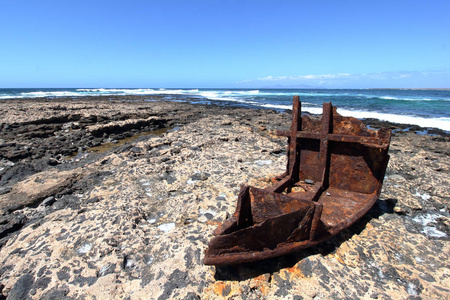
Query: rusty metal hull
pixel 335 170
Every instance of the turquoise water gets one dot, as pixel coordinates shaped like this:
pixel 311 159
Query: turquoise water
pixel 426 108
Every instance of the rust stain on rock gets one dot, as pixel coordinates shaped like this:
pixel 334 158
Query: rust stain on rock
pixel 223 290
pixel 261 283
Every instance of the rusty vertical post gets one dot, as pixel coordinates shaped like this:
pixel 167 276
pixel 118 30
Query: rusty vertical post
pixel 296 125
pixel 326 129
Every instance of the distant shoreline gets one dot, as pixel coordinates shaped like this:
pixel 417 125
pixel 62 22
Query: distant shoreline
pixel 422 107
pixel 232 88
pixel 410 89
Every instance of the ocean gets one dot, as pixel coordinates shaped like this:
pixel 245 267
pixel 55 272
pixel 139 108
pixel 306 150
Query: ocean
pixel 426 108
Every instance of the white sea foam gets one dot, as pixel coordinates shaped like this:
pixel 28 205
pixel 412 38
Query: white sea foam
pixel 210 94
pixel 408 99
pixel 276 106
pixel 100 91
pixel 441 123
pixel 253 92
pixel 311 110
pixel 219 96
pixel 227 95
pixel 48 94
pixel 353 95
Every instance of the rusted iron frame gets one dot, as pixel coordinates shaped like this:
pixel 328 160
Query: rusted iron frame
pixel 291 176
pixel 324 136
pixel 294 136
pixel 293 165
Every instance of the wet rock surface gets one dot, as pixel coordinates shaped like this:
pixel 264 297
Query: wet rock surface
pixel 133 221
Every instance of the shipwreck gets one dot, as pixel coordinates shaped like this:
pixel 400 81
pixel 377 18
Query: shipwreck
pixel 334 174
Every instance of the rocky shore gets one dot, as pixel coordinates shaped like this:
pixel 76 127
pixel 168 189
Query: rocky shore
pixel 117 198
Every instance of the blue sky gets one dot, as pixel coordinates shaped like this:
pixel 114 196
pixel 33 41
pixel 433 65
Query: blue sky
pixel 326 44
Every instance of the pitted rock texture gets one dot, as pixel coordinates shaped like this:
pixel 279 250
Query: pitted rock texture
pixel 141 215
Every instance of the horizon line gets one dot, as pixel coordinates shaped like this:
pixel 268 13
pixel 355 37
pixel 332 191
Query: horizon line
pixel 267 88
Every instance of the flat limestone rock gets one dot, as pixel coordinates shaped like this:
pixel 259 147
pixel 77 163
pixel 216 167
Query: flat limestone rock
pixel 37 187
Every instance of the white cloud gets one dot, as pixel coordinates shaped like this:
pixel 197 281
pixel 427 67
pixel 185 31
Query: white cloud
pixel 379 79
pixel 303 77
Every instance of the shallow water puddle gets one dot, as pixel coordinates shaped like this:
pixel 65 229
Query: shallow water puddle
pixel 110 145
